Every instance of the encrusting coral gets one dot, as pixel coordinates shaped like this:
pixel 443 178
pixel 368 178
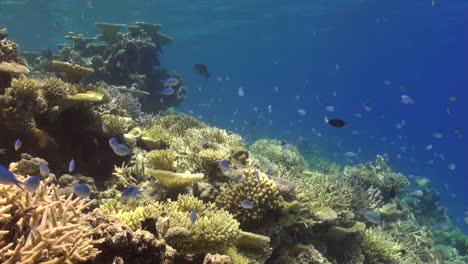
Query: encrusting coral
pixel 44 227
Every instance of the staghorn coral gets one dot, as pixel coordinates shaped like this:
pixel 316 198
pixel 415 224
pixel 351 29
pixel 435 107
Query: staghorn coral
pixel 316 191
pixel 174 180
pixel 161 159
pixel 275 158
pixel 257 188
pixel 380 247
pixel 178 124
pixel 44 227
pixel 378 175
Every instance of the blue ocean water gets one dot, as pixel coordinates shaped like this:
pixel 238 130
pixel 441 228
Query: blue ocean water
pixel 292 55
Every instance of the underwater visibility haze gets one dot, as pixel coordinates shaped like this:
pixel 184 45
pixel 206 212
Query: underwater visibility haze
pixel 244 132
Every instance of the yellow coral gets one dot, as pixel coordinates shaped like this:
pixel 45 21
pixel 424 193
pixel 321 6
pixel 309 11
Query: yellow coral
pixel 174 180
pixel 249 240
pixel 379 247
pixel 257 188
pixel 117 125
pixel 43 227
pixel 161 159
pixel 13 67
pixel 72 72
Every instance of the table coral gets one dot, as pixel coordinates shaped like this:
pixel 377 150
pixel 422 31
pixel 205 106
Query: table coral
pixel 43 227
pixel 72 72
pixel 175 180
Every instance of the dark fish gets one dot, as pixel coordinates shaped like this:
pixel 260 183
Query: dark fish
pixel 336 122
pixel 201 69
pixel 393 193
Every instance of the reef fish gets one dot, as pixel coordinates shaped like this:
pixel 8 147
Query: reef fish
pixel 7 177
pixel 417 193
pixel 2 151
pixel 171 81
pixel 201 69
pixel 335 122
pixel 247 204
pixel 371 216
pixel 44 169
pixel 301 112
pixel 113 143
pixel 167 91
pixel 71 165
pixel 121 150
pixel 130 193
pixel 330 108
pixel 104 128
pixel 224 164
pixel 350 154
pixel 437 135
pixel 452 166
pixel 193 216
pixel 18 144
pixel 82 190
pixel 406 99
pixel 32 183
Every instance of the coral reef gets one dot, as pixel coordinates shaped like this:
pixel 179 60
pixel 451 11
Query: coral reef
pixel 44 227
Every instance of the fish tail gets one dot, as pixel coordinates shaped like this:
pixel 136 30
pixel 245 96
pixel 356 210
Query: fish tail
pixel 325 119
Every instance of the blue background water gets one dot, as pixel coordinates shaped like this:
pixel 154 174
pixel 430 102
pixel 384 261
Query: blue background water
pixel 296 46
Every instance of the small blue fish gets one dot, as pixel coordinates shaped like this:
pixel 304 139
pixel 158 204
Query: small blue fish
pixel 71 165
pixel 32 183
pixel 130 193
pixel 7 177
pixel 417 193
pixel 193 217
pixel 121 150
pixel 44 169
pixel 104 128
pixel 247 204
pixel 224 164
pixel 18 144
pixel 172 81
pixel 371 216
pixel 243 179
pixel 82 190
pixel 257 175
pixel 113 143
pixel 167 91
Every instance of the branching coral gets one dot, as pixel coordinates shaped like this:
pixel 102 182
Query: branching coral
pixel 161 159
pixel 43 227
pixel 276 158
pixel 258 189
pixel 316 191
pixel 380 247
pixel 378 175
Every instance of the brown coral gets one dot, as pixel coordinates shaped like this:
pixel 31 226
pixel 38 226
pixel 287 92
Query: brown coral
pixel 43 227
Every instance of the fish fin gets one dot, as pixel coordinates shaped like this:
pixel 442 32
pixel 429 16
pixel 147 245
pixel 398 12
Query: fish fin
pixel 18 183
